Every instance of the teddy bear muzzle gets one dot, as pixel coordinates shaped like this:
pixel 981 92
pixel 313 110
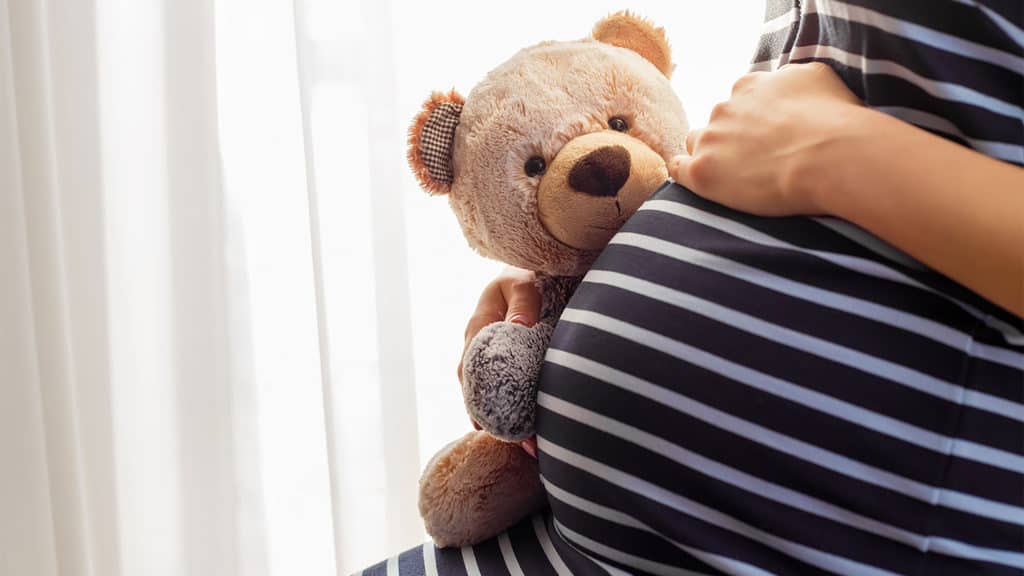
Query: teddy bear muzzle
pixel 601 172
pixel 595 182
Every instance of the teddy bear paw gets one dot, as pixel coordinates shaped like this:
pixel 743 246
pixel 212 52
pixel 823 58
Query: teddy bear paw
pixel 476 487
pixel 499 375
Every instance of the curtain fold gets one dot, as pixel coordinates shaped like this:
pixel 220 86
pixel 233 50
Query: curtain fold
pixel 165 407
pixel 339 64
pixel 27 530
pixel 204 390
pixel 44 138
pixel 116 369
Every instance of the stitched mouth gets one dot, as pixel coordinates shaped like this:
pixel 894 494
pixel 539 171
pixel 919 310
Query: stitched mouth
pixel 610 228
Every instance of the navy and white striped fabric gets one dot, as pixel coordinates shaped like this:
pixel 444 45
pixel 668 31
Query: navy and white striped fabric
pixel 953 67
pixel 743 395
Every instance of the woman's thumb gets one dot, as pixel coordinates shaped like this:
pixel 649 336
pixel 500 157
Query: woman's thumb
pixel 523 304
pixel 679 170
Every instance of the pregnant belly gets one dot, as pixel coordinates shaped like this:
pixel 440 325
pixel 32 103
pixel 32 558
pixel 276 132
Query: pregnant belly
pixel 729 392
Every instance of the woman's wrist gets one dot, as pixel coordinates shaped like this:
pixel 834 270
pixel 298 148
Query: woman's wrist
pixel 821 172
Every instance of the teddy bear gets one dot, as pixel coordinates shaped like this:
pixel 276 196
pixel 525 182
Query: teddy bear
pixel 542 163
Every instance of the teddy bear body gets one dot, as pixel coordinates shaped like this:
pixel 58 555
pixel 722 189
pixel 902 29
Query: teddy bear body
pixel 482 483
pixel 542 164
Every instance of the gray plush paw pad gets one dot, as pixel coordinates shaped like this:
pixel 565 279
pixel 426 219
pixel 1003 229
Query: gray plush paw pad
pixel 499 375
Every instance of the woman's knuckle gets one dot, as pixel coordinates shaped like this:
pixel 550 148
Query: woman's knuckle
pixel 702 168
pixel 743 82
pixel 710 137
pixel 477 321
pixel 522 289
pixel 690 142
pixel 817 67
pixel 720 110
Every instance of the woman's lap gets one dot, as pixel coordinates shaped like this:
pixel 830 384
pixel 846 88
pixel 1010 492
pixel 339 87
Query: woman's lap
pixel 533 546
pixel 730 393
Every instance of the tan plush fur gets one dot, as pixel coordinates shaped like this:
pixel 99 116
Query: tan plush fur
pixel 478 482
pixel 586 222
pixel 555 101
pixel 637 34
pixel 533 105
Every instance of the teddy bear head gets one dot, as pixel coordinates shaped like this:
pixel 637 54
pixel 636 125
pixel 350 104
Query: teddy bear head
pixel 555 148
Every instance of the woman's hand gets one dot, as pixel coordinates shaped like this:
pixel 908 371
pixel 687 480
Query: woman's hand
pixel 796 141
pixel 512 297
pixel 753 153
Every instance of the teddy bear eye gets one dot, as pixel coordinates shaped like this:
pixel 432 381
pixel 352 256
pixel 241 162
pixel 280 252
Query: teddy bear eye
pixel 618 124
pixel 535 166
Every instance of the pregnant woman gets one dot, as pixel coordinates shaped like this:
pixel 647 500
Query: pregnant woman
pixel 810 359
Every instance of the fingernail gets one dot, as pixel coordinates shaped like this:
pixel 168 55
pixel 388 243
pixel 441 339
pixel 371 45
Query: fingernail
pixel 530 449
pixel 520 319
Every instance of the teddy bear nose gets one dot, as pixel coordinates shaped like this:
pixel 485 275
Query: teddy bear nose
pixel 602 172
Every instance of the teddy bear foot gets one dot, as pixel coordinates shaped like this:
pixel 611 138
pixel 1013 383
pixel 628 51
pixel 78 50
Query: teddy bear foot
pixel 476 487
pixel 499 375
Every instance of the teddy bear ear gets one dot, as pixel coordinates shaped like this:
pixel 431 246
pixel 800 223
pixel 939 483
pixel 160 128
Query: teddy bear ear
pixel 431 137
pixel 627 30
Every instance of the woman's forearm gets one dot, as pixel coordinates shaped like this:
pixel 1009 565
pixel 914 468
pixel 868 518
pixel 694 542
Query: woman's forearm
pixel 956 210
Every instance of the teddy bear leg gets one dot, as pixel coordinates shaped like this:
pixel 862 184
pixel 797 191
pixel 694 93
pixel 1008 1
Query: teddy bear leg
pixel 476 487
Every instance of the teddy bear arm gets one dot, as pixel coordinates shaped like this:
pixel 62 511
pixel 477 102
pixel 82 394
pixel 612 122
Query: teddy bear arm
pixel 502 364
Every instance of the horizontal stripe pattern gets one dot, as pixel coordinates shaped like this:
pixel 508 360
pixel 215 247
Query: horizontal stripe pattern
pixel 700 327
pixel 529 548
pixel 683 505
pixel 967 19
pixel 876 44
pixel 805 233
pixel 848 261
pixel 768 432
pixel 712 376
pixel 758 486
pixel 809 344
pixel 897 429
pixel 563 497
pixel 950 92
pixel 956 70
pixel 980 50
pixel 1000 150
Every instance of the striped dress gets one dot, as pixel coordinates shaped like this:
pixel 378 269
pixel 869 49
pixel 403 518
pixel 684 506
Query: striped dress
pixel 742 395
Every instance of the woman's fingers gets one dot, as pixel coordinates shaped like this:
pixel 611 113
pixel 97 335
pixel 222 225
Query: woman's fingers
pixel 512 296
pixel 679 170
pixel 691 140
pixel 749 155
pixel 746 81
pixel 530 445
pixel 482 318
pixel 523 301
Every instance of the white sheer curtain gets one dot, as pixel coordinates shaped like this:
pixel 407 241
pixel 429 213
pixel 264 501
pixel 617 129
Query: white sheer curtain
pixel 229 320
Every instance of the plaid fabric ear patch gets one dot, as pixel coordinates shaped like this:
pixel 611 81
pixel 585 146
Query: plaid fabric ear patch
pixel 436 141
